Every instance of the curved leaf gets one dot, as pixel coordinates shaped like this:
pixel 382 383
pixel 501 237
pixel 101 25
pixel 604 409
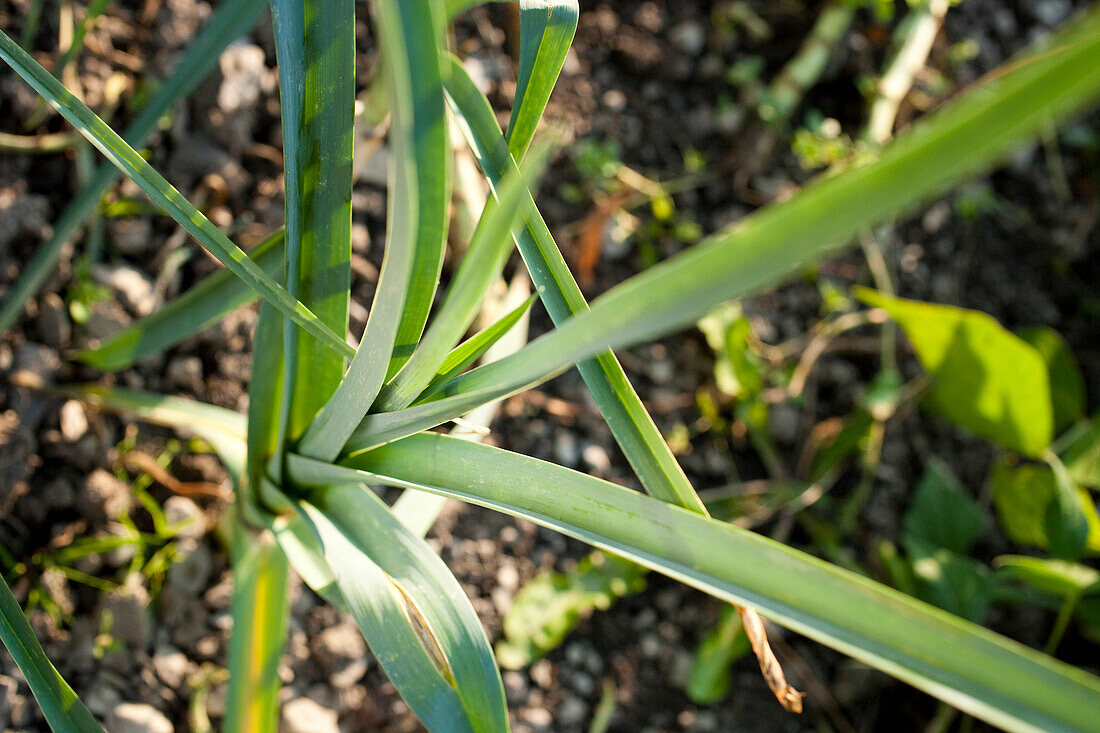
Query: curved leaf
pixel 481 265
pixel 63 709
pixel 223 429
pixel 424 25
pixel 261 607
pixel 315 45
pixel 433 593
pixel 984 674
pixel 126 159
pixel 473 348
pixel 367 372
pixel 984 378
pixel 196 310
pixel 231 19
pixel 546 29
pixel 382 613
pixel 972 132
pixel 615 397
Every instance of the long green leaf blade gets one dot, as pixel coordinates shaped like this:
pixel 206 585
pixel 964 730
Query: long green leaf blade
pixel 232 19
pixel 380 609
pixel 628 419
pixel 63 709
pixel 423 31
pixel 964 137
pixel 457 7
pixel 315 45
pixel 261 608
pixel 368 369
pixel 265 400
pixel 475 347
pixel 305 552
pixel 984 674
pixel 482 264
pixel 546 29
pixel 196 310
pixel 118 152
pixel 450 620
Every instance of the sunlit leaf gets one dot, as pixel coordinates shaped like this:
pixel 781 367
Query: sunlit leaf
pixel 984 378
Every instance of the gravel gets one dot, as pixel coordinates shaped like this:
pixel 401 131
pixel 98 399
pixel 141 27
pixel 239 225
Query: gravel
pixel 303 715
pixel 138 718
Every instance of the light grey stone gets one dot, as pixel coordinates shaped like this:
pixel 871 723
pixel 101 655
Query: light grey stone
pixel 131 717
pixel 303 715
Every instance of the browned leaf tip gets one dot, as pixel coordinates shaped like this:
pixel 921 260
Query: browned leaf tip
pixel 789 698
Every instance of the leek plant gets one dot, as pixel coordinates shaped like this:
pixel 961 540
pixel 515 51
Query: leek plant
pixel 327 422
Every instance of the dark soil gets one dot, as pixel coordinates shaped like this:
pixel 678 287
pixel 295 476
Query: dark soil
pixel 648 75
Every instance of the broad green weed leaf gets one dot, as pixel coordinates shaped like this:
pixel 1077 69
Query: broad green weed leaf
pixel 1082 456
pixel 954 582
pixel 1067 385
pixel 709 679
pixel 849 441
pixel 984 378
pixel 942 514
pixel 940 528
pixel 1065 521
pixel 737 370
pixel 1055 577
pixel 552 605
pixel 1022 497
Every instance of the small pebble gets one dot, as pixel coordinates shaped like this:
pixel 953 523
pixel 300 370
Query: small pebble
pixel 171 665
pixel 566 450
pixel 133 287
pixel 130 717
pixel 596 459
pixel 572 712
pixel 537 716
pixel 185 517
pixel 74 423
pixel 185 372
pixel 128 610
pixel 542 672
pixel 52 324
pixel 104 496
pixel 37 359
pixel 303 715
pixel 191 571
pixel 689 37
pixel 508 576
